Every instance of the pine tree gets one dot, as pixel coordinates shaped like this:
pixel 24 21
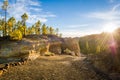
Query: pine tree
pixel 33 29
pixel 11 24
pixel 57 30
pixel 51 31
pixel 37 27
pixel 2 26
pixel 48 30
pixel 5 7
pixel 98 49
pixel 87 47
pixel 44 30
pixel 60 35
pixel 24 18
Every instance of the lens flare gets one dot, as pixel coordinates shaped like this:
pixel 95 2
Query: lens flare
pixel 113 45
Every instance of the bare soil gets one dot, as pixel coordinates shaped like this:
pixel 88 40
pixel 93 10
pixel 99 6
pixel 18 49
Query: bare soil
pixel 52 68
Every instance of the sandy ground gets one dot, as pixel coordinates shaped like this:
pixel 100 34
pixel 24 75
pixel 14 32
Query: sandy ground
pixel 51 68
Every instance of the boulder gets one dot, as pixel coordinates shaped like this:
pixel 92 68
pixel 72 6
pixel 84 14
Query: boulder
pixel 2 66
pixel 72 45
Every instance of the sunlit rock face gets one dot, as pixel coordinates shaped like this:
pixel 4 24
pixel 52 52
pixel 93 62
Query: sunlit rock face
pixel 72 45
pixel 15 50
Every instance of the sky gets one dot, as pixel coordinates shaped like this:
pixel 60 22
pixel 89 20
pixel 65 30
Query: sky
pixel 74 18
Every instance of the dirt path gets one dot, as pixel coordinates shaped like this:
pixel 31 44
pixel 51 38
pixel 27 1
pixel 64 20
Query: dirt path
pixel 52 68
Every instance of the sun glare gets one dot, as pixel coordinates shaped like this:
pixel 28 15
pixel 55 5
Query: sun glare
pixel 109 28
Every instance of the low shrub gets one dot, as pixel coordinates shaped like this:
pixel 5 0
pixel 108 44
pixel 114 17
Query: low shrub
pixel 49 54
pixel 69 52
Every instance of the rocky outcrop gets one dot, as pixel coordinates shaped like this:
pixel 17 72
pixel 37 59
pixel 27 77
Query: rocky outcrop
pixel 59 47
pixel 14 51
pixel 72 45
pixel 55 47
pixel 60 44
pixel 36 44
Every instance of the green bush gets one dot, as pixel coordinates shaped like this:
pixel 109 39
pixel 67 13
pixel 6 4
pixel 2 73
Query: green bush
pixel 16 35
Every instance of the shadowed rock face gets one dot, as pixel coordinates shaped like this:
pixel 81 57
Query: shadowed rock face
pixel 71 44
pixel 55 47
pixel 60 45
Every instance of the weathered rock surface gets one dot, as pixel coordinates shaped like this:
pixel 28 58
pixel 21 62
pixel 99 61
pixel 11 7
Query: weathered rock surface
pixel 71 44
pixel 36 44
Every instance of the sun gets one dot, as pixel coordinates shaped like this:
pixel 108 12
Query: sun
pixel 109 28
